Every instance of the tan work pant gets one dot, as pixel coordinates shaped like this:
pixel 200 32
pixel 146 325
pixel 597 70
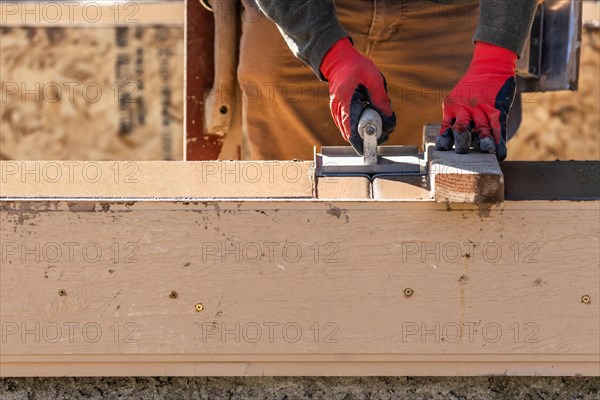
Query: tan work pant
pixel 422 48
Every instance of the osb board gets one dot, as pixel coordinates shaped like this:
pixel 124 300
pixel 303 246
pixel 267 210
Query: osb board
pixel 93 93
pixel 565 125
pixel 299 288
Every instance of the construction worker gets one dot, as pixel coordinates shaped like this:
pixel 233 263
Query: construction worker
pixel 424 49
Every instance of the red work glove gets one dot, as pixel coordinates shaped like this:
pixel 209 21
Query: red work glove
pixel 478 106
pixel 355 83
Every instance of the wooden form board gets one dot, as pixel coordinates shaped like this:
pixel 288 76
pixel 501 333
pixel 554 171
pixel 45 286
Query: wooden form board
pixel 107 284
pixel 270 179
pixel 156 179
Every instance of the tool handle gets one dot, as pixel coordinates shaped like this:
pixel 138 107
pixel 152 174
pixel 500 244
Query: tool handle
pixel 370 130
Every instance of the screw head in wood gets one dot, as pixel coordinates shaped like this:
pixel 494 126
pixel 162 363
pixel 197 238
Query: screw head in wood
pixel 62 292
pixel 408 292
pixel 199 307
pixel 586 299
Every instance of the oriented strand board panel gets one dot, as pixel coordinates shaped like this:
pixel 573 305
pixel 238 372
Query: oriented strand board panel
pixel 91 93
pixel 157 179
pixel 102 13
pixel 167 287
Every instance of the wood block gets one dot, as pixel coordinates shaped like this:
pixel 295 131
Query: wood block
pixel 99 286
pixel 343 188
pixel 157 179
pixel 462 178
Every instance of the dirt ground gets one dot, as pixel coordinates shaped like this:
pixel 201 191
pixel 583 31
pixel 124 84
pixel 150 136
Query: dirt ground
pixel 316 388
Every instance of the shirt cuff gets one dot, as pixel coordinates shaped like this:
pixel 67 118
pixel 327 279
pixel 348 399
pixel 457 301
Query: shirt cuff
pixel 326 39
pixel 500 38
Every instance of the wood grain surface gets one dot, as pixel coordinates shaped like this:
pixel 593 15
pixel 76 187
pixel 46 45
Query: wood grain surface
pixel 462 178
pixel 157 179
pixel 165 287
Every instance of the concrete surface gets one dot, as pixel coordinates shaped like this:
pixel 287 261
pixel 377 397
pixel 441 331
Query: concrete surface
pixel 527 388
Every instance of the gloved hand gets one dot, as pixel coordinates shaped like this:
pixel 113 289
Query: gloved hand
pixel 355 83
pixel 478 106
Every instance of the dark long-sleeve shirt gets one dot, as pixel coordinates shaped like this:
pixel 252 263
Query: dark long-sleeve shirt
pixel 311 27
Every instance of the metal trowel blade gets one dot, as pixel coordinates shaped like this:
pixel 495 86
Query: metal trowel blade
pixel 343 161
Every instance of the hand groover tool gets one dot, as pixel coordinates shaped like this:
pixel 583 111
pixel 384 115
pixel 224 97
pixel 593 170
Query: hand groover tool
pixel 376 160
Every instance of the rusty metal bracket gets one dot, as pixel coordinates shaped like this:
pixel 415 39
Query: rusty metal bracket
pixel 551 58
